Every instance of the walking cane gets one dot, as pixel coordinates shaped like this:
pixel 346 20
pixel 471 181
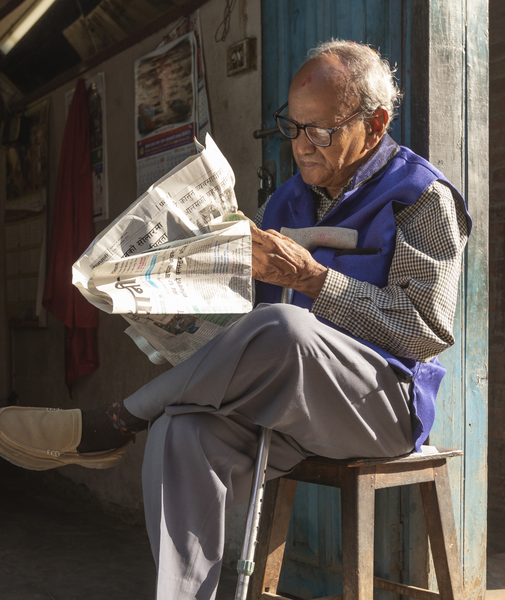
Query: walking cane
pixel 308 237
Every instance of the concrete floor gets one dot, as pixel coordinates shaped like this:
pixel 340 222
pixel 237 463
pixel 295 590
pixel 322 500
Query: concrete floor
pixel 55 546
pixel 496 556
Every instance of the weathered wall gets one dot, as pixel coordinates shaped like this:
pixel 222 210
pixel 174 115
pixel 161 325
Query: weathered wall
pixel 38 361
pixel 497 255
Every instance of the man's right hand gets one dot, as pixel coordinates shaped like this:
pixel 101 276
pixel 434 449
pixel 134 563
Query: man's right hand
pixel 279 260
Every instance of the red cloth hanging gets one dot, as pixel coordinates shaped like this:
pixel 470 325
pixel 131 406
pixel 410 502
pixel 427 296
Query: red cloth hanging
pixel 72 232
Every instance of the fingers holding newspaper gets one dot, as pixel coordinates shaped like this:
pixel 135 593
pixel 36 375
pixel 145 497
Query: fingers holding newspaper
pixel 279 260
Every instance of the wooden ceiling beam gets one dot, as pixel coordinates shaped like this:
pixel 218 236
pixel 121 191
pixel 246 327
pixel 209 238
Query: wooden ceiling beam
pixel 9 7
pixel 178 11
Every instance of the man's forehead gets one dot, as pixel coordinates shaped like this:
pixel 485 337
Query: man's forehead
pixel 323 73
pixel 323 70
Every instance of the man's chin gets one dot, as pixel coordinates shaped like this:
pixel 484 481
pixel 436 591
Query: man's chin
pixel 310 177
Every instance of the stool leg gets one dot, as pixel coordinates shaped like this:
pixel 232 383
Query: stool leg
pixel 439 513
pixel 358 505
pixel 278 503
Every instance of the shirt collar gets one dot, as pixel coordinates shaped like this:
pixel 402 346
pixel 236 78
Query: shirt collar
pixel 379 159
pixel 323 195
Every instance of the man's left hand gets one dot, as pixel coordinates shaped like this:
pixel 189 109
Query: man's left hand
pixel 278 260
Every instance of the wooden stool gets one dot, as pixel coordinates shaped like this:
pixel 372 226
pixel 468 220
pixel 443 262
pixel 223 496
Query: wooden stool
pixel 358 480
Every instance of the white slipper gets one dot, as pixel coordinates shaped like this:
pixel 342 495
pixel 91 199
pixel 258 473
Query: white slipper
pixel 47 438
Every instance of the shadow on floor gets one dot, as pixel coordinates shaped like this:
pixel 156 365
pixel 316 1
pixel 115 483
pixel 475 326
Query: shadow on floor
pixel 55 546
pixel 496 555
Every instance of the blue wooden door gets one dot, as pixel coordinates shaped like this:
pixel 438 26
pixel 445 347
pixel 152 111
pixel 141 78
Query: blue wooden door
pixel 313 559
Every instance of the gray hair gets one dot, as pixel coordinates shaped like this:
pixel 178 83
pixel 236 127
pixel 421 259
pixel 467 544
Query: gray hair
pixel 371 75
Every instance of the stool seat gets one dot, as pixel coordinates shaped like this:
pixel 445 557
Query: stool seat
pixel 358 479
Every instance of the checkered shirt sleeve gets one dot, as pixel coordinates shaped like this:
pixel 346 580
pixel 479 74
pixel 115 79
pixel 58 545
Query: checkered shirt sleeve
pixel 413 315
pixel 258 219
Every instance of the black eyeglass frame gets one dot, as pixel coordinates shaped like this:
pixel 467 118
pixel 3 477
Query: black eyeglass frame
pixel 330 130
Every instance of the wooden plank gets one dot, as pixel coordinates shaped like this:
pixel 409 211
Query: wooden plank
pixel 320 473
pixel 331 508
pixel 277 597
pixel 405 590
pixel 458 137
pixel 388 475
pixel 267 596
pixel 277 506
pixel 418 91
pixel 388 538
pixel 476 421
pixel 376 29
pixel 417 95
pixel 397 52
pixel 428 453
pixel 276 73
pixel 393 478
pixel 350 20
pixel 438 511
pixel 9 7
pixel 358 506
pixel 306 527
pixel 446 151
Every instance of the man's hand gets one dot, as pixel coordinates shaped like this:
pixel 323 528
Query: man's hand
pixel 278 260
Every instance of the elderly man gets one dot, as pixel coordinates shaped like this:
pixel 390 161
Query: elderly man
pixel 348 370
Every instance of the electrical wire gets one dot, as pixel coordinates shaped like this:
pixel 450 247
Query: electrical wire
pixel 225 23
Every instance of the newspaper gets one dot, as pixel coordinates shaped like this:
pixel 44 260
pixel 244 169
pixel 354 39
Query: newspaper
pixel 169 265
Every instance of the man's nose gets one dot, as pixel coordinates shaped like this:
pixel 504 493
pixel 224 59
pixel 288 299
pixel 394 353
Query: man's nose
pixel 302 144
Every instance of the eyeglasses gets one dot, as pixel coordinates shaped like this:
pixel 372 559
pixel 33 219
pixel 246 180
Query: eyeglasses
pixel 319 136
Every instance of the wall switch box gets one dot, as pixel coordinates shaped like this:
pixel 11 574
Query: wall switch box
pixel 242 57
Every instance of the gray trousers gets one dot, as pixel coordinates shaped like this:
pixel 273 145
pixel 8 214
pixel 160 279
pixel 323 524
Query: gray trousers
pixel 277 367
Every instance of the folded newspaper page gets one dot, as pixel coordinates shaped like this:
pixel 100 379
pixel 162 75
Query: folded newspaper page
pixel 175 277
pixel 174 338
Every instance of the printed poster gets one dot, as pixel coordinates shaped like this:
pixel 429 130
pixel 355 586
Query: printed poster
pixel 187 24
pixel 166 109
pixel 166 124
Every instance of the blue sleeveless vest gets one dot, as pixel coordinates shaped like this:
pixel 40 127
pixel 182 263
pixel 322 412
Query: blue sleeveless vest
pixel 368 209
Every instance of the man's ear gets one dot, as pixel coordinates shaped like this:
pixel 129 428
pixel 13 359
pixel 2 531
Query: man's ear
pixel 376 126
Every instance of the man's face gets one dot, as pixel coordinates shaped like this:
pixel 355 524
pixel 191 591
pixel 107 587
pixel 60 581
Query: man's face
pixel 319 95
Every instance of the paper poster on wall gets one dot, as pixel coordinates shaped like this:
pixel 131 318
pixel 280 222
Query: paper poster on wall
pixel 95 87
pixel 185 25
pixel 166 109
pixel 25 218
pixel 149 171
